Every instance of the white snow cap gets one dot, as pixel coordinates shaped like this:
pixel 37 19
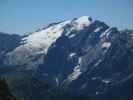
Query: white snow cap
pixel 38 42
pixel 84 19
pixel 82 22
pixel 44 38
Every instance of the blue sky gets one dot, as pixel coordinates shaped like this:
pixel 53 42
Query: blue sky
pixel 19 16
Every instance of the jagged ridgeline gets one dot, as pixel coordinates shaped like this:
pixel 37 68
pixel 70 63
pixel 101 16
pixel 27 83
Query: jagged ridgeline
pixel 82 59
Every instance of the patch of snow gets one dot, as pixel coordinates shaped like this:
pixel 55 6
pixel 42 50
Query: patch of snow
pixel 97 92
pixel 106 45
pixel 57 81
pixel 95 78
pixel 72 54
pixel 74 75
pixel 106 81
pixel 97 29
pixel 98 62
pixel 72 35
pixel 82 22
pixel 104 33
pixel 76 72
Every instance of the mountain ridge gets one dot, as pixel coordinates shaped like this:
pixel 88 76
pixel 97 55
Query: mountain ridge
pixel 82 55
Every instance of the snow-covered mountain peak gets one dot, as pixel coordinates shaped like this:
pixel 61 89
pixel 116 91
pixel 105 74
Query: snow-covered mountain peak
pixel 39 42
pixel 81 55
pixel 82 22
pixel 45 37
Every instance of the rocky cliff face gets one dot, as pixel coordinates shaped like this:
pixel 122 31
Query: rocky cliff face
pixel 97 57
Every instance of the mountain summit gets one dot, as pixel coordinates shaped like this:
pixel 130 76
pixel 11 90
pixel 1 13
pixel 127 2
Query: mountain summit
pixel 38 42
pixel 82 55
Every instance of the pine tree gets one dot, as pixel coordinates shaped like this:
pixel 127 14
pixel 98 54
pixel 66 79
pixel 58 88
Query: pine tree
pixel 4 91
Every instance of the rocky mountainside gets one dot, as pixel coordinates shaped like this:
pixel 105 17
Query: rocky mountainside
pixel 7 44
pixel 82 56
pixel 96 57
